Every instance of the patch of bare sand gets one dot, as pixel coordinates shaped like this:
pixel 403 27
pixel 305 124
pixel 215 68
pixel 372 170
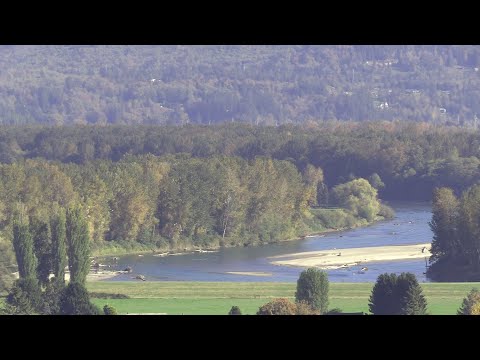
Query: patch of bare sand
pixel 92 276
pixel 249 273
pixel 333 259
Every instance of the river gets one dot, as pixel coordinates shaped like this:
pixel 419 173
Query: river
pixel 410 226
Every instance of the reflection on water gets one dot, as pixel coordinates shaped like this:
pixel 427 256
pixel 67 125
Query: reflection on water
pixel 410 226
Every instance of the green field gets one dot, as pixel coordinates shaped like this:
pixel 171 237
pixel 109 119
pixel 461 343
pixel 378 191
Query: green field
pixel 216 298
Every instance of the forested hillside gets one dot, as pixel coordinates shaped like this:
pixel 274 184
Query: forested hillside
pixel 254 84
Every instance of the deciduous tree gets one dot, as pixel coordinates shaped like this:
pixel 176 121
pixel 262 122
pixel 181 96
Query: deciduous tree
pixel 59 245
pixel 78 245
pixel 470 303
pixel 279 306
pixel 312 287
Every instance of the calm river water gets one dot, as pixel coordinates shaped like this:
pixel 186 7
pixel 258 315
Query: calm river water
pixel 410 226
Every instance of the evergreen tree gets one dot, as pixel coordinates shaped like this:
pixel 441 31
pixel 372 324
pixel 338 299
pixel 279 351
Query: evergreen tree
pixel 410 292
pixel 397 295
pixel 59 246
pixel 384 298
pixel 444 221
pixel 78 245
pixel 52 297
pixel 456 233
pixel 312 288
pixel 25 297
pixel 469 229
pixel 235 310
pixel 75 300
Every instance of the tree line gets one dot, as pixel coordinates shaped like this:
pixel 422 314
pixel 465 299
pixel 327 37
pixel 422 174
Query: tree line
pixel 410 159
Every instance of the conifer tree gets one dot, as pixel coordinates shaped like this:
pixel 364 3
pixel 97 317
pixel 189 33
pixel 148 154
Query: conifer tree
pixel 383 300
pixel 411 294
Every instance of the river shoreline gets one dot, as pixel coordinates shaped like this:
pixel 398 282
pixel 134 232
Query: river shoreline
pixel 162 252
pixel 192 249
pixel 246 263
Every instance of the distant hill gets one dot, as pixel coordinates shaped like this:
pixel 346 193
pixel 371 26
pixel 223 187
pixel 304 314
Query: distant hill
pixel 255 84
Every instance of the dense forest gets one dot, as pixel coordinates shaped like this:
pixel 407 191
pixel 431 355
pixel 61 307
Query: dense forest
pixel 410 159
pixel 269 85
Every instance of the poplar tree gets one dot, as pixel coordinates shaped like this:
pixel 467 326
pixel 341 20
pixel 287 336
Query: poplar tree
pixel 43 249
pixel 78 245
pixel 23 245
pixel 59 246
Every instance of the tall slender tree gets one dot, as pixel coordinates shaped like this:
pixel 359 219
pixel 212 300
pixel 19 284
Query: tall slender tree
pixel 59 246
pixel 43 249
pixel 78 244
pixel 469 228
pixel 25 295
pixel 445 208
pixel 23 245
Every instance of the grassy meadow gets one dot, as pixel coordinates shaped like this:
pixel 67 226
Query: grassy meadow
pixel 216 298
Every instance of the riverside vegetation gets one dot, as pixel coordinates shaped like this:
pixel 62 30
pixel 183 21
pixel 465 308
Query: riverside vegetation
pixel 178 202
pixel 171 188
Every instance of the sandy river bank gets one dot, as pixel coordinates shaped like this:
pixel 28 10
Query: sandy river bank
pixel 338 258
